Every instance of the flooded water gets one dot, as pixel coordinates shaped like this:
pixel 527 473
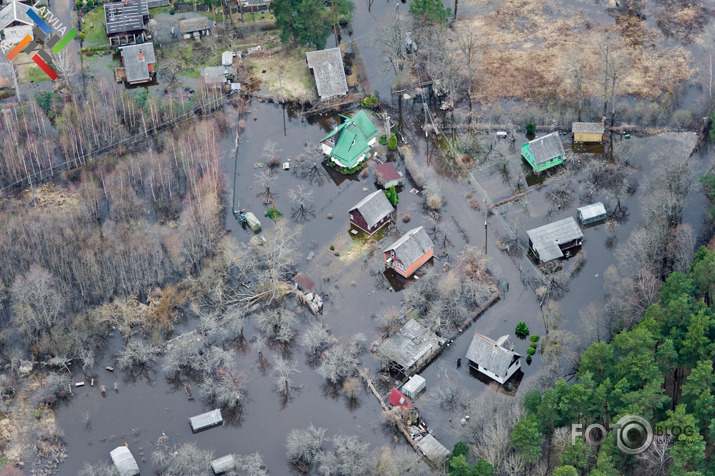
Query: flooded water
pixel 147 407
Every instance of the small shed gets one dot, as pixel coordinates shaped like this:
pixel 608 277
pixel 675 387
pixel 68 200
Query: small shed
pixel 549 242
pixel 329 72
pixel 304 283
pixel 587 131
pixel 206 420
pixel 411 346
pixel 213 75
pixel 433 449
pixel 195 27
pixel 593 213
pixel 253 222
pixel 414 385
pixel 544 152
pixel 223 464
pixel 124 460
pixel 387 175
pixel 398 399
pixel 227 58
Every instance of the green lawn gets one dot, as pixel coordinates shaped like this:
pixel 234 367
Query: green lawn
pixel 36 75
pixel 94 36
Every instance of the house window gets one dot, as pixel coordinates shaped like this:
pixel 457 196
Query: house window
pixel 392 252
pixel 351 216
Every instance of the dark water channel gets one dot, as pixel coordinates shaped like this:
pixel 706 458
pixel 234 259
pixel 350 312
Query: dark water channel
pixel 148 406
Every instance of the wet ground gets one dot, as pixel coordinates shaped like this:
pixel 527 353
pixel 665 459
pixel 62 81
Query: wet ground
pixel 145 408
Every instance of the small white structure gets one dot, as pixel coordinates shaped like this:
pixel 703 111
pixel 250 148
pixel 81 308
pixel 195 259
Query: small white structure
pixel 227 58
pixel 494 359
pixel 414 385
pixel 206 420
pixel 223 464
pixel 591 213
pixel 124 461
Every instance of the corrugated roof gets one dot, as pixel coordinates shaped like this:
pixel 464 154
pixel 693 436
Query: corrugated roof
pixel 411 246
pixel 15 11
pixel 546 148
pixel 590 127
pixel 206 420
pixel 592 211
pixel 124 461
pixel 545 239
pixel 413 384
pixel 223 464
pixel 491 355
pixel 398 399
pixel 304 282
pixel 433 449
pixel 386 172
pixel 191 25
pixel 123 17
pixel 374 208
pixel 408 345
pixel 137 59
pixel 327 66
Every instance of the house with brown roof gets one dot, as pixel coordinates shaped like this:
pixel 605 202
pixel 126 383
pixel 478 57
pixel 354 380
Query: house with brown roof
pixel 386 175
pixel 410 252
pixel 372 212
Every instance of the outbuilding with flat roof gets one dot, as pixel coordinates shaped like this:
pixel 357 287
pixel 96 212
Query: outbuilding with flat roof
pixel 553 241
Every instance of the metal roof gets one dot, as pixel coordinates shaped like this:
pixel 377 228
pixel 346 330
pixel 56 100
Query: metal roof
pixel 592 211
pixel 411 246
pixel 414 384
pixel 327 66
pixel 352 142
pixel 374 208
pixel 123 17
pixel 191 25
pixel 124 461
pixel 546 148
pixel 304 282
pixel 386 172
pixel 15 11
pixel 433 449
pixel 227 58
pixel 398 399
pixel 493 356
pixel 206 420
pixel 223 464
pixel 137 59
pixel 591 127
pixel 213 74
pixel 408 345
pixel 545 239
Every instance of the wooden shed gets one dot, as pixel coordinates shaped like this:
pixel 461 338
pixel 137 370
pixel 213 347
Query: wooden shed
pixel 433 449
pixel 590 214
pixel 223 464
pixel 206 421
pixel 124 461
pixel 587 131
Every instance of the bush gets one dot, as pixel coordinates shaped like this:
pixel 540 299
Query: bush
pixel 391 195
pixel 533 345
pixel 682 118
pixel 534 338
pixel 369 102
pixel 522 329
pixel 273 214
pixel 531 351
pixel 392 143
pixel 530 128
pixel 332 247
pixel 383 139
pixel 528 359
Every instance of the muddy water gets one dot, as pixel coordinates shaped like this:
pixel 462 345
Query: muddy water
pixel 146 408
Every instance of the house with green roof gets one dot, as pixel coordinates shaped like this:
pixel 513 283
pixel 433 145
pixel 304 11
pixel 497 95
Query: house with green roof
pixel 544 152
pixel 350 142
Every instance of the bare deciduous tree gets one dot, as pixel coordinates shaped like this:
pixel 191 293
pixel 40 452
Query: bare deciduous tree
pixel 180 461
pixel 656 459
pixel 309 166
pixel 37 301
pixel 137 353
pixel 225 389
pixel 302 446
pixel 341 360
pixel 315 338
pixel 302 207
pixel 282 371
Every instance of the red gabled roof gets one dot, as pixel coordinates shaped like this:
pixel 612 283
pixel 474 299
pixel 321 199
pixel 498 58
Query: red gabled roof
pixel 304 282
pixel 386 172
pixel 398 399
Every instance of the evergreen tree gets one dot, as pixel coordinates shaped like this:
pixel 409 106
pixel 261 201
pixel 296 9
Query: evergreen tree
pixel 527 438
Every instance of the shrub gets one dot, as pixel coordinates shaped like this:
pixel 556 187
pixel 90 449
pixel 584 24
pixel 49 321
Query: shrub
pixel 273 214
pixel 531 351
pixel 391 195
pixel 528 359
pixel 383 139
pixel 534 338
pixel 522 329
pixel 369 102
pixel 533 345
pixel 37 413
pixel 392 143
pixel 682 118
pixel 530 128
pixel 332 247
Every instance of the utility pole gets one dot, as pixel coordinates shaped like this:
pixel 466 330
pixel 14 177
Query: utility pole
pixel 486 213
pixel 281 84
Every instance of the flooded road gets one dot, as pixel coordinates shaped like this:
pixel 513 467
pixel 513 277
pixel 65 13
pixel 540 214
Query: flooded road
pixel 149 406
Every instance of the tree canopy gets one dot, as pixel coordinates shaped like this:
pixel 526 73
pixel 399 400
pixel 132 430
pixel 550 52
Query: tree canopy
pixel 429 12
pixel 309 22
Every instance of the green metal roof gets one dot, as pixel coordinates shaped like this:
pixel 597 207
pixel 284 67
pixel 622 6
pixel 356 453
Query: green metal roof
pixel 355 133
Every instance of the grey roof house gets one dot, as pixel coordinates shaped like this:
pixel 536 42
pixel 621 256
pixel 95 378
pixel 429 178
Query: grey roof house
pixel 549 242
pixel 15 23
pixel 195 27
pixel 496 360
pixel 372 212
pixel 411 251
pixel 124 461
pixel 329 72
pixel 411 346
pixel 126 22
pixel 139 63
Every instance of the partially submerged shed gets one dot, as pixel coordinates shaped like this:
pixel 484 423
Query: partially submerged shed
pixel 553 241
pixel 409 252
pixel 411 346
pixel 433 449
pixel 223 464
pixel 304 283
pixel 387 175
pixel 124 461
pixel 414 386
pixel 327 67
pixel 253 223
pixel 587 131
pixel 206 420
pixel 591 213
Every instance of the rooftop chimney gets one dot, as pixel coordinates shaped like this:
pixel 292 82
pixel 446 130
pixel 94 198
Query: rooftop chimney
pixel 141 56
